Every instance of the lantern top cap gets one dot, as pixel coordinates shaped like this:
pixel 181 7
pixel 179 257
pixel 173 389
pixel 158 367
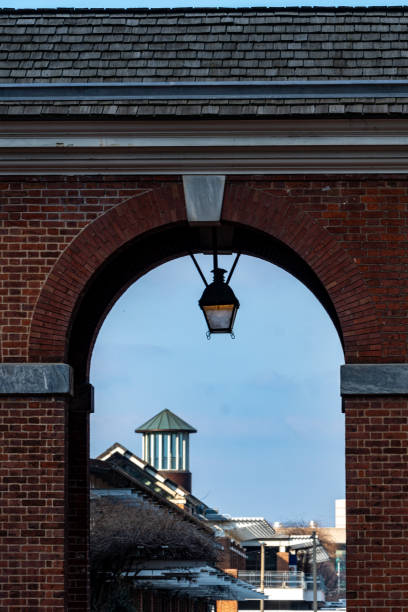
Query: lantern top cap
pixel 219 274
pixel 165 421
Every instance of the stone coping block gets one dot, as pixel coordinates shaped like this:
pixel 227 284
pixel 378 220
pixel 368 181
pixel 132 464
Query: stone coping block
pixel 204 195
pixel 374 379
pixel 35 379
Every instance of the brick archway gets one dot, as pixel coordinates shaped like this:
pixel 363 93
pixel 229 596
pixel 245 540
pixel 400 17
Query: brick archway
pixel 89 251
pixel 91 198
pixel 333 276
pixel 345 246
pixel 142 232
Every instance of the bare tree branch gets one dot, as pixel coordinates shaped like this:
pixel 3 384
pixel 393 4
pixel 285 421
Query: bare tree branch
pixel 120 531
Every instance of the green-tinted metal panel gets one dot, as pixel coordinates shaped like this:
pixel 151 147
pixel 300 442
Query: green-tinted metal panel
pixel 166 421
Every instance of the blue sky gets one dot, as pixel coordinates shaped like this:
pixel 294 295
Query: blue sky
pixel 270 438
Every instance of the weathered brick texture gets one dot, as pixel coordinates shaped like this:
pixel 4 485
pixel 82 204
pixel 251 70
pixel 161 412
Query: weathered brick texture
pixel 32 491
pixel 58 234
pixel 227 606
pixel 353 232
pixel 38 219
pixel 232 557
pixel 377 511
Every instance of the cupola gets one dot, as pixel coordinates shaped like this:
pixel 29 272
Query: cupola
pixel 166 446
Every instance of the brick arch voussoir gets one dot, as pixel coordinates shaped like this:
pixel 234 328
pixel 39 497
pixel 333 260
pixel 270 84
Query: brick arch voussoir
pixel 48 338
pixel 333 265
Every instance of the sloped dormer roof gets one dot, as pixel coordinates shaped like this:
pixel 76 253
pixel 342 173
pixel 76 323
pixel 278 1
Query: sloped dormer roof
pixel 166 421
pixel 131 466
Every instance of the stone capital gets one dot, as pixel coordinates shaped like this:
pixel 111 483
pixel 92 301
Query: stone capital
pixel 36 379
pixel 374 379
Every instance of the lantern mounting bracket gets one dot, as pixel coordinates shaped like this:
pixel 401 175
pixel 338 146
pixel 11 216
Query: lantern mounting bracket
pixel 215 260
pixel 198 269
pixel 238 255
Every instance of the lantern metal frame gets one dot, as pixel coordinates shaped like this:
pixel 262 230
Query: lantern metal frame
pixel 218 295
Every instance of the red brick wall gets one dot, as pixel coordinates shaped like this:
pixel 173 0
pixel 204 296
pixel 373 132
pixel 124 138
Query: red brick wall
pixel 55 233
pixel 282 562
pixel 32 482
pixel 357 222
pixel 228 605
pixel 229 559
pixel 377 510
pixel 183 479
pixel 39 217
pixel 353 232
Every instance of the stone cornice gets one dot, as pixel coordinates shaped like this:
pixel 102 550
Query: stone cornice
pixel 204 147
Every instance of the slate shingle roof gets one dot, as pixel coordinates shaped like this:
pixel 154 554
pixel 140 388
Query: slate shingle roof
pixel 78 45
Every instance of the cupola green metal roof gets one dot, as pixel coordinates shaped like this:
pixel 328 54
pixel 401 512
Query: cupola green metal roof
pixel 165 421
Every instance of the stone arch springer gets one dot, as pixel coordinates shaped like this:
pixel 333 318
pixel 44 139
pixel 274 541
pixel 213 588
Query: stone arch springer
pixel 163 208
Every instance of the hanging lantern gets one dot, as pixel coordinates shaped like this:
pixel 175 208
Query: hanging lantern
pixel 218 302
pixel 219 305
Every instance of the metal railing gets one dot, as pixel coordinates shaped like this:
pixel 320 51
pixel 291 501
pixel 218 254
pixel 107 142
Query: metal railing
pixel 274 580
pixel 309 582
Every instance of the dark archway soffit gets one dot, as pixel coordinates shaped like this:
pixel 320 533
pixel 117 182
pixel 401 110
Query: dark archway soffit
pixel 204 90
pixel 145 253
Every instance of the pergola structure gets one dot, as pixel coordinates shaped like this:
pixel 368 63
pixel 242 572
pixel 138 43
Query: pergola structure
pixel 125 136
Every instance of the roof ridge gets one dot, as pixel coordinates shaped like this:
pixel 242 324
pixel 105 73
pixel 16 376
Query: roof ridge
pixel 250 9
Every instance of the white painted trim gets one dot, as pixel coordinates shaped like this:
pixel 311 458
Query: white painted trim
pixel 152 449
pixel 177 451
pixel 168 451
pixel 184 443
pixel 188 453
pixel 204 147
pixel 160 467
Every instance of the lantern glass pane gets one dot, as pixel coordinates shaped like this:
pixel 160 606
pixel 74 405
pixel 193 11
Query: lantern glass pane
pixel 219 317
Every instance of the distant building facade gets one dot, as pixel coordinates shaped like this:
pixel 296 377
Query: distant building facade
pixel 159 476
pixel 195 584
pixel 286 580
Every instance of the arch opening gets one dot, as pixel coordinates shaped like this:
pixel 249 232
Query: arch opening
pixel 154 248
pixel 235 473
